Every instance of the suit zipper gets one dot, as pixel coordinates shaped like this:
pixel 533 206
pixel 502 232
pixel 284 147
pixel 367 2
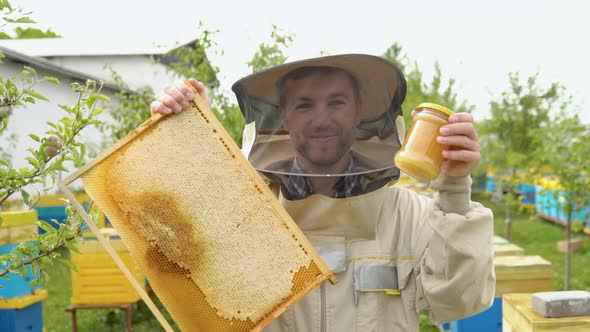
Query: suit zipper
pixel 323 307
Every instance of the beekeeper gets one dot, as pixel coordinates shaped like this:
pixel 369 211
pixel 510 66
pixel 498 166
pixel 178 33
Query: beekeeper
pixel 326 130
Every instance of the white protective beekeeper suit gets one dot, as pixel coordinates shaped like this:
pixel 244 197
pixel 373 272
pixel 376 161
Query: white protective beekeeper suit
pixel 396 254
pixel 441 249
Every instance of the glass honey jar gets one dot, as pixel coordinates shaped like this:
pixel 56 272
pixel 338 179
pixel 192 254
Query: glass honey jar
pixel 421 154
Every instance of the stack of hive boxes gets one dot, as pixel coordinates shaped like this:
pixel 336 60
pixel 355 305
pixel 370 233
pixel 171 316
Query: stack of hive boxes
pixel 21 307
pixel 516 272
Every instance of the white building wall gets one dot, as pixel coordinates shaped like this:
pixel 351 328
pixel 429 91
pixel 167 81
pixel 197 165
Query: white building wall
pixel 137 70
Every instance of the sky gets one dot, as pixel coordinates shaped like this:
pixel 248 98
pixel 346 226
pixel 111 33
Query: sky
pixel 478 43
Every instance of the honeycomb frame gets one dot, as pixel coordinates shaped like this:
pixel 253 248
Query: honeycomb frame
pixel 203 258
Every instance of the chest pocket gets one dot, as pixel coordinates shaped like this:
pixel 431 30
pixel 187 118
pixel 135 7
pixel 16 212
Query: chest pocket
pixel 384 297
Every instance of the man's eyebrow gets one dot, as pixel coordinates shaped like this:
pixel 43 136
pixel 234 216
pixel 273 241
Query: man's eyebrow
pixel 303 99
pixel 338 95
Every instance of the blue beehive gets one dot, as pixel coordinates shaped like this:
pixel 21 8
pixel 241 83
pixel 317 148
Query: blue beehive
pixel 490 184
pixel 16 285
pixel 528 192
pixel 486 321
pixel 28 319
pixel 48 213
pixel 540 199
pixel 24 314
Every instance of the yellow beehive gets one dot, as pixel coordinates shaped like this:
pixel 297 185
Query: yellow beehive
pixel 18 218
pixel 522 274
pixel 24 301
pixel 99 279
pixel 518 316
pixel 17 226
pixel 509 249
pixel 219 250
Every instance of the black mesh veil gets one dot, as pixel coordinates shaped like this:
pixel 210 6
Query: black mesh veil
pixel 312 116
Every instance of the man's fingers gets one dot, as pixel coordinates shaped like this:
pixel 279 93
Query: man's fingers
pixel 186 92
pixel 459 129
pixel 469 157
pixel 177 96
pixel 158 107
pixel 168 102
pixel 176 92
pixel 459 142
pixel 201 89
pixel 461 117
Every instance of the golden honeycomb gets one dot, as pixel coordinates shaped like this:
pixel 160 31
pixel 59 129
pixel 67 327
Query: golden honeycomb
pixel 214 242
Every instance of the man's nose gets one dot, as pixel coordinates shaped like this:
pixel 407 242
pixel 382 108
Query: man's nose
pixel 321 115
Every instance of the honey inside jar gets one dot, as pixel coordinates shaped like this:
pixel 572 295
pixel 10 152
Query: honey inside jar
pixel 421 154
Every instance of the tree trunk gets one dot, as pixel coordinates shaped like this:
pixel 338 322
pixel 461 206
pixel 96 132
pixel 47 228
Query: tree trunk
pixel 507 224
pixel 568 252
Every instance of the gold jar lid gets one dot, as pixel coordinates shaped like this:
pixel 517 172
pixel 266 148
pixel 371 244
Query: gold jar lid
pixel 435 107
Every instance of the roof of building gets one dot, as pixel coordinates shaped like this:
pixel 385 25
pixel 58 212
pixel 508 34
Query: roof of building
pixel 50 47
pixel 40 63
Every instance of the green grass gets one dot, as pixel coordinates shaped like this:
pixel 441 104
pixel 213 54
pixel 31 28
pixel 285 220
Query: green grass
pixel 536 236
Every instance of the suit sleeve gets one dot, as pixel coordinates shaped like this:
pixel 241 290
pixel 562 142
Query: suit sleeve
pixel 455 271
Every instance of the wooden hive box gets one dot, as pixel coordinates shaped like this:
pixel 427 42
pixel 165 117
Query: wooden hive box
pixel 98 279
pixel 522 274
pixel 518 316
pixel 217 247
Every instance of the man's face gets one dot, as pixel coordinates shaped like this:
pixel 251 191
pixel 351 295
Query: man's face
pixel 321 113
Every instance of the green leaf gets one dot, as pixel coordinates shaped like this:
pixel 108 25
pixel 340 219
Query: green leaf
pixel 96 112
pixel 29 100
pixel 30 69
pixel 103 97
pixel 72 247
pixel 35 137
pixel 35 282
pixel 19 20
pixel 47 227
pixel 26 197
pixel 67 263
pixel 38 95
pixel 5 4
pixel 5 162
pixel 34 162
pixel 52 80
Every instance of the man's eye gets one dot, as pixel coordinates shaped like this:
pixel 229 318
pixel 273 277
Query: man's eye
pixel 336 103
pixel 302 106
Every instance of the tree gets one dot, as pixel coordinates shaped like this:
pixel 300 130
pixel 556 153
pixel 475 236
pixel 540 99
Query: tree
pixel 272 53
pixel 419 91
pixel 58 146
pixel 508 136
pixel 128 110
pixel 193 61
pixel 561 147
